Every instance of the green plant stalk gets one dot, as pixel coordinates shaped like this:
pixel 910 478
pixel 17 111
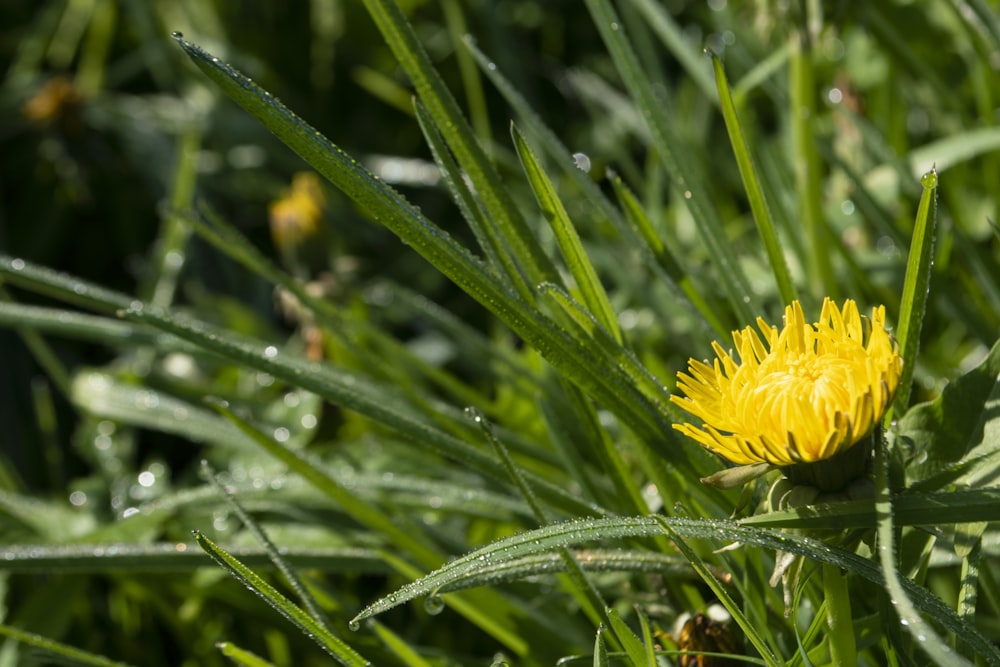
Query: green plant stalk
pixel 843 647
pixel 751 183
pixel 807 167
pixel 969 589
pixel 913 303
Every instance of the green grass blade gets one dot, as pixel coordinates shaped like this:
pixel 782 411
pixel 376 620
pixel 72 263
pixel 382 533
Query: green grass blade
pixel 634 649
pixel 673 38
pixel 59 651
pixel 605 384
pixel 61 286
pixel 583 272
pixel 444 110
pixel 671 148
pixel 287 571
pixel 241 656
pixel 561 535
pixel 497 253
pixel 924 633
pixel 116 557
pixel 330 643
pixel 913 304
pixel 399 646
pixel 755 194
pixel 664 256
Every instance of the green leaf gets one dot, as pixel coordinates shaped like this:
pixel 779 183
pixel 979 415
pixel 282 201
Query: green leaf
pixel 330 643
pixel 959 425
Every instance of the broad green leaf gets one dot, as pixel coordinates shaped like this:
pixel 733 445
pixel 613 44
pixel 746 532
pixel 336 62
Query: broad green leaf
pixel 953 426
pixel 329 642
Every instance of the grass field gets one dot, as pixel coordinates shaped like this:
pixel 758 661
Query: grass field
pixel 349 333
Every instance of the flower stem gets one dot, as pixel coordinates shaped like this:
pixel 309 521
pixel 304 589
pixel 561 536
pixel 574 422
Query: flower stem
pixel 843 650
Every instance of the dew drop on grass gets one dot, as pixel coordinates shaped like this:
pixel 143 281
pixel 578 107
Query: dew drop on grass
pixel 434 604
pixel 354 625
pixel 582 162
pixel 177 34
pixel 17 264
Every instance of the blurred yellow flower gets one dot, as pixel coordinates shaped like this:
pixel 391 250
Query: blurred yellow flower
pixel 800 395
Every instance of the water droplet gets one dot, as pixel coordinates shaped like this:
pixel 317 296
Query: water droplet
pixel 78 499
pixel 270 352
pixel 581 161
pixel 491 66
pixel 433 604
pixel 354 625
pixel 281 434
pixel 614 26
pixel 904 622
pixel 177 34
pixel 17 264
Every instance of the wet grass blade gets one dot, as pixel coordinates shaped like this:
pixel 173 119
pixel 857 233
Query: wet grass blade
pixel 443 109
pixel 58 650
pixel 329 642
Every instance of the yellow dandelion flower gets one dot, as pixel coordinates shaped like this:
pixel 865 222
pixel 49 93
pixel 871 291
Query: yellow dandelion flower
pixel 797 396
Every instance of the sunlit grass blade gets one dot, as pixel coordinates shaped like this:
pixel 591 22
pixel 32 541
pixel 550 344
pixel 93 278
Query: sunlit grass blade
pixel 755 194
pixel 672 36
pixel 634 649
pixel 69 289
pixel 59 651
pixel 330 643
pixel 444 110
pixel 561 535
pixel 593 295
pixel 498 255
pixel 240 656
pixel 671 148
pixel 913 303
